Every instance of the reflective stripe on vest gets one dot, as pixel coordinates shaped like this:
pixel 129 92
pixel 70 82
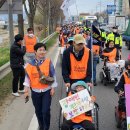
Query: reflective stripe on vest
pixel 34 75
pixel 30 42
pixel 127 80
pixel 96 49
pixel 79 68
pixel 111 55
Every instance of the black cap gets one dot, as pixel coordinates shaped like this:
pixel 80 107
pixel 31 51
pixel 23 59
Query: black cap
pixel 18 37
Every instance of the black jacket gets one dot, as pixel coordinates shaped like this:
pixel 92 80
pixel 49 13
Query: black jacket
pixel 16 55
pixel 66 67
pixel 120 84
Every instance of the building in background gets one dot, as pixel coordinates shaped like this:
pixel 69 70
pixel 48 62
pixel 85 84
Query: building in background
pixel 125 8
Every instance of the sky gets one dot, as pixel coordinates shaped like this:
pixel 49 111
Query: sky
pixel 91 6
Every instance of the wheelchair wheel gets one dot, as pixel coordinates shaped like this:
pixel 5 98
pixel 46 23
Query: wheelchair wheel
pixel 105 82
pixel 95 118
pixel 124 125
pixel 101 77
pixel 117 118
pixel 61 119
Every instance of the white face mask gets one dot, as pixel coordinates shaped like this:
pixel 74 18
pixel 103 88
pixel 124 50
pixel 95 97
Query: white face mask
pixel 30 35
pixel 114 30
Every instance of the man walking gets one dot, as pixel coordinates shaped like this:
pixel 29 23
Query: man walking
pixel 17 52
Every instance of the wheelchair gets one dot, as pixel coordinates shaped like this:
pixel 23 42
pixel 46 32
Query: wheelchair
pixel 111 72
pixel 78 126
pixel 120 114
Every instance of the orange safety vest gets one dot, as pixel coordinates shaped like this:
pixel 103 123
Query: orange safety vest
pixel 34 75
pixel 127 80
pixel 62 41
pixel 30 42
pixel 79 68
pixel 111 55
pixel 81 117
pixel 96 49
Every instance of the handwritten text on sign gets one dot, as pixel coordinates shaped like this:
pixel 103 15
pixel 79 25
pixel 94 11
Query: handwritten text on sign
pixel 76 104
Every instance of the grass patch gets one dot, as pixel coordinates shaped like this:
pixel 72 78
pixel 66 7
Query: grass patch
pixel 5 87
pixel 52 41
pixel 4 55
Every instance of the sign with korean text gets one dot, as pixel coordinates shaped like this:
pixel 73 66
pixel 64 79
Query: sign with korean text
pixel 127 96
pixel 76 104
pixel 111 8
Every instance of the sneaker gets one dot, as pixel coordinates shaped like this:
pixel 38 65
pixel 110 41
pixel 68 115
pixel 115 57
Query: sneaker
pixel 21 91
pixel 16 94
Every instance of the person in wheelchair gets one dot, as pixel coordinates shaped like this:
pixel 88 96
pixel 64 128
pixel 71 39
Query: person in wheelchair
pixel 85 119
pixel 111 56
pixel 119 87
pixel 110 52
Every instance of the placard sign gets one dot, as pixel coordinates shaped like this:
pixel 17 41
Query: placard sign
pixel 76 104
pixel 127 96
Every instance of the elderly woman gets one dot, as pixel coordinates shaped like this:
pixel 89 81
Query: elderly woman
pixel 111 52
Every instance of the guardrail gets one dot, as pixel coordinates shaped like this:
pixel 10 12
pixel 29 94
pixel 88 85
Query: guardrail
pixel 47 38
pixel 5 69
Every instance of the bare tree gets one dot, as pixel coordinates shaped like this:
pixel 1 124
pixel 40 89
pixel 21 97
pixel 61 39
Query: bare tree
pixel 2 2
pixel 54 15
pixel 32 4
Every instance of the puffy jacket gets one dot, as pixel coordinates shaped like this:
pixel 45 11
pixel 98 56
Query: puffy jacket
pixel 16 55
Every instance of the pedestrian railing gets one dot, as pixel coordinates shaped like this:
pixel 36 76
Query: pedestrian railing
pixel 5 69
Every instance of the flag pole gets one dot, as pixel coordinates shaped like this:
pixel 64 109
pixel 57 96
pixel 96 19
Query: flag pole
pixel 77 9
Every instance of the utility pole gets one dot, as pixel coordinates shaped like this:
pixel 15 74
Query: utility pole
pixel 48 17
pixel 77 10
pixel 10 21
pixel 115 5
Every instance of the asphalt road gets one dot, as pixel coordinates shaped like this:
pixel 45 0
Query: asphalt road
pixel 19 115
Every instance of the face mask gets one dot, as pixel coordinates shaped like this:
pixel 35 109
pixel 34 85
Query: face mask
pixel 30 35
pixel 114 30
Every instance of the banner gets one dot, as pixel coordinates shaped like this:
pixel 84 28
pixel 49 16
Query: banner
pixel 76 104
pixel 67 3
pixel 97 39
pixel 127 96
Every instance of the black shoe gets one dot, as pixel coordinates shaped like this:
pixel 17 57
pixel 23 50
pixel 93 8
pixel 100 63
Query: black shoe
pixel 95 84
